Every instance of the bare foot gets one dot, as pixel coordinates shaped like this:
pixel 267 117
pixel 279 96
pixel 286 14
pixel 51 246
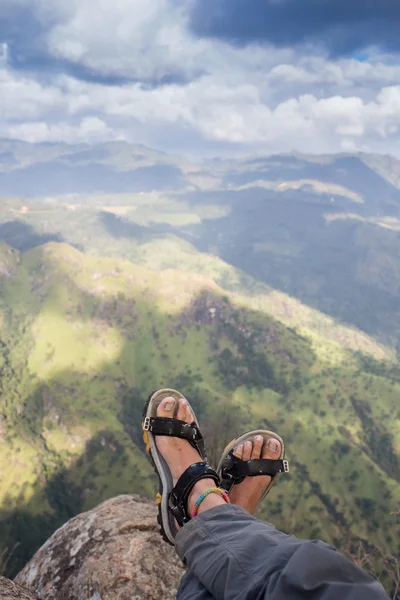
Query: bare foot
pixel 248 493
pixel 179 454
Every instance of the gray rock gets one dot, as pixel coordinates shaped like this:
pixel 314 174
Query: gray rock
pixel 113 552
pixel 11 591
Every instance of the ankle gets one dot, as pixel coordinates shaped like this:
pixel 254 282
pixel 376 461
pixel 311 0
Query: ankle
pixel 209 502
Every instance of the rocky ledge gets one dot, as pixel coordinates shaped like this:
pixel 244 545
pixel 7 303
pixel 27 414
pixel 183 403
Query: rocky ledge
pixel 113 552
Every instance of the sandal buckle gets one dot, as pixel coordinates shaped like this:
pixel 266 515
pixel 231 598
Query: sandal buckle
pixel 146 424
pixel 194 427
pixel 285 466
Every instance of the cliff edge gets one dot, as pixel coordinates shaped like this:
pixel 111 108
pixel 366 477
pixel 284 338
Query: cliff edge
pixel 113 552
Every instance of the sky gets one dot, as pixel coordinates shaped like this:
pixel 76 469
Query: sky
pixel 203 77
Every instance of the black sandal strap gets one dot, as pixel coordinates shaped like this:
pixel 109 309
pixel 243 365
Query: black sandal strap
pixel 172 427
pixel 180 493
pixel 175 428
pixel 235 470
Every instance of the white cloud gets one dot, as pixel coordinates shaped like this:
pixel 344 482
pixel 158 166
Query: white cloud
pixel 23 97
pixel 274 100
pixel 90 129
pixel 130 38
pixel 344 73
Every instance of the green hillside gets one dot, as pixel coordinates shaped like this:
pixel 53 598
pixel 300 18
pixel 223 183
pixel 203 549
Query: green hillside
pixel 342 271
pixel 84 339
pixel 265 288
pixel 322 230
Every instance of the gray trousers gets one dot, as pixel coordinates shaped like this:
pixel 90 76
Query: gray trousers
pixel 230 555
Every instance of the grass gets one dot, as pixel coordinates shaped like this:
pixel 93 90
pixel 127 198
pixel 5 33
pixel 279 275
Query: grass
pixel 91 337
pixel 162 233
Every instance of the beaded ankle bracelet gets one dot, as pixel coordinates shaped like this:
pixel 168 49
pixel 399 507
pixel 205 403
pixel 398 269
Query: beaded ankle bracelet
pixel 204 495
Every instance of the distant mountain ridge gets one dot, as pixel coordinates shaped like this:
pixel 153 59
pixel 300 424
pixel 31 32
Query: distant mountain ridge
pixel 119 167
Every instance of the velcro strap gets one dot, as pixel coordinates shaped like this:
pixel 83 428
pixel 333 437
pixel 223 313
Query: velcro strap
pixel 237 469
pixel 180 493
pixel 174 428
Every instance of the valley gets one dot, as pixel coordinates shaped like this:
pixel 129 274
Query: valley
pixel 266 290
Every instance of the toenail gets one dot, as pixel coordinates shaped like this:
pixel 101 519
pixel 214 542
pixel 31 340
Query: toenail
pixel 258 438
pixel 248 444
pixel 169 404
pixel 273 445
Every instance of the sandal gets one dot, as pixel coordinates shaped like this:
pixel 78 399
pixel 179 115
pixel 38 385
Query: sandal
pixel 172 500
pixel 233 470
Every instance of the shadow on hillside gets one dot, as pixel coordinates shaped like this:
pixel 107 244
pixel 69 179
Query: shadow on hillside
pixel 107 466
pixel 58 177
pixel 284 240
pixel 22 236
pixel 381 197
pixel 71 491
pixel 112 461
pixel 119 227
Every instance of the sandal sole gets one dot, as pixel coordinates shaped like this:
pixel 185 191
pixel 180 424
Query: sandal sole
pixel 160 466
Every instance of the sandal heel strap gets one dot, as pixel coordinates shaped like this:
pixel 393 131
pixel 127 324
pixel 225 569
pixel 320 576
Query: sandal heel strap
pixel 179 495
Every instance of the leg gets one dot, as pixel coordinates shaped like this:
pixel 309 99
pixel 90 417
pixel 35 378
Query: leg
pixel 192 589
pixel 246 495
pixel 235 556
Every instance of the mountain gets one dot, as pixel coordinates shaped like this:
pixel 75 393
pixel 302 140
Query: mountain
pixel 323 230
pixel 266 289
pixel 83 341
pixel 53 169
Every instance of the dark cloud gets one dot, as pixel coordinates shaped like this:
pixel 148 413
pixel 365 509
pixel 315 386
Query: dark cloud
pixel 22 31
pixel 341 26
pixel 38 60
pixel 26 37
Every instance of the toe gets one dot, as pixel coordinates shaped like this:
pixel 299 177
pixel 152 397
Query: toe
pixel 239 452
pixel 189 414
pixel 182 408
pixel 257 446
pixel 248 447
pixel 272 449
pixel 166 407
